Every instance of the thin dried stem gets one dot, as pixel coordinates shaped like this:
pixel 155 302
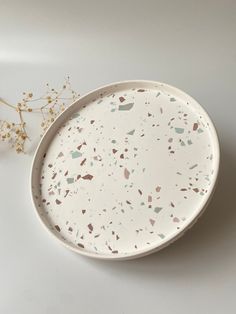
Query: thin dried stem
pixel 3 102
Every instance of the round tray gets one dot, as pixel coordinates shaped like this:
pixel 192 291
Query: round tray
pixel 125 170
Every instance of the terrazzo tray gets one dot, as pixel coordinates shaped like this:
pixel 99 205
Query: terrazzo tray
pixel 125 170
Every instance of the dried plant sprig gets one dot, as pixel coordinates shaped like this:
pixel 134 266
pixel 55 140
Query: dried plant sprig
pixel 52 103
pixel 14 134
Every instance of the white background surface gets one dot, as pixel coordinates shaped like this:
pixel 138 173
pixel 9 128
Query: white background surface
pixel 189 44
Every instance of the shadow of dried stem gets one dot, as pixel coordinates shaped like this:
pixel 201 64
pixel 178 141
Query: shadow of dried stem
pixel 197 252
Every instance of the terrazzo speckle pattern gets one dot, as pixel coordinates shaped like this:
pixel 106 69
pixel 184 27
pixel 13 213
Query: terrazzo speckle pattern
pixel 127 170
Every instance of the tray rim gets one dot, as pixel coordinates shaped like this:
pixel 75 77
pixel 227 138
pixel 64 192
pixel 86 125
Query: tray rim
pixel 177 234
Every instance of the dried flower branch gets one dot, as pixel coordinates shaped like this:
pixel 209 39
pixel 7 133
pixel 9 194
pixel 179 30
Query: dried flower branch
pixel 53 102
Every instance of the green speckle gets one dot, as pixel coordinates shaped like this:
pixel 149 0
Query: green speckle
pixel 113 141
pixel 161 235
pixel 190 142
pixel 200 130
pixel 157 209
pixel 113 110
pixel 142 204
pixel 126 107
pixel 182 143
pixel 75 115
pixel 91 163
pixel 70 180
pixel 172 99
pixel 201 193
pixel 76 154
pixel 131 132
pixel 179 130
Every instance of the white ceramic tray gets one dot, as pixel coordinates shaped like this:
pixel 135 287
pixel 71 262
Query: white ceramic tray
pixel 125 170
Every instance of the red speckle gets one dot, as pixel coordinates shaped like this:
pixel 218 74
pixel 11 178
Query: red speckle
pixel 152 221
pixel 195 126
pixel 126 173
pixel 87 177
pixel 158 188
pixel 57 228
pixel 121 99
pixel 90 226
pixel 82 162
pixel 67 191
pixel 54 175
pixel 80 245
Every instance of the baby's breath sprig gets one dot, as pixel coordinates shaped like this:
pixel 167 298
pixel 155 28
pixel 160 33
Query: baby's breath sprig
pixel 53 102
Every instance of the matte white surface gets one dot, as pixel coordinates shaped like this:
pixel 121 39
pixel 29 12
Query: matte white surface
pixel 189 44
